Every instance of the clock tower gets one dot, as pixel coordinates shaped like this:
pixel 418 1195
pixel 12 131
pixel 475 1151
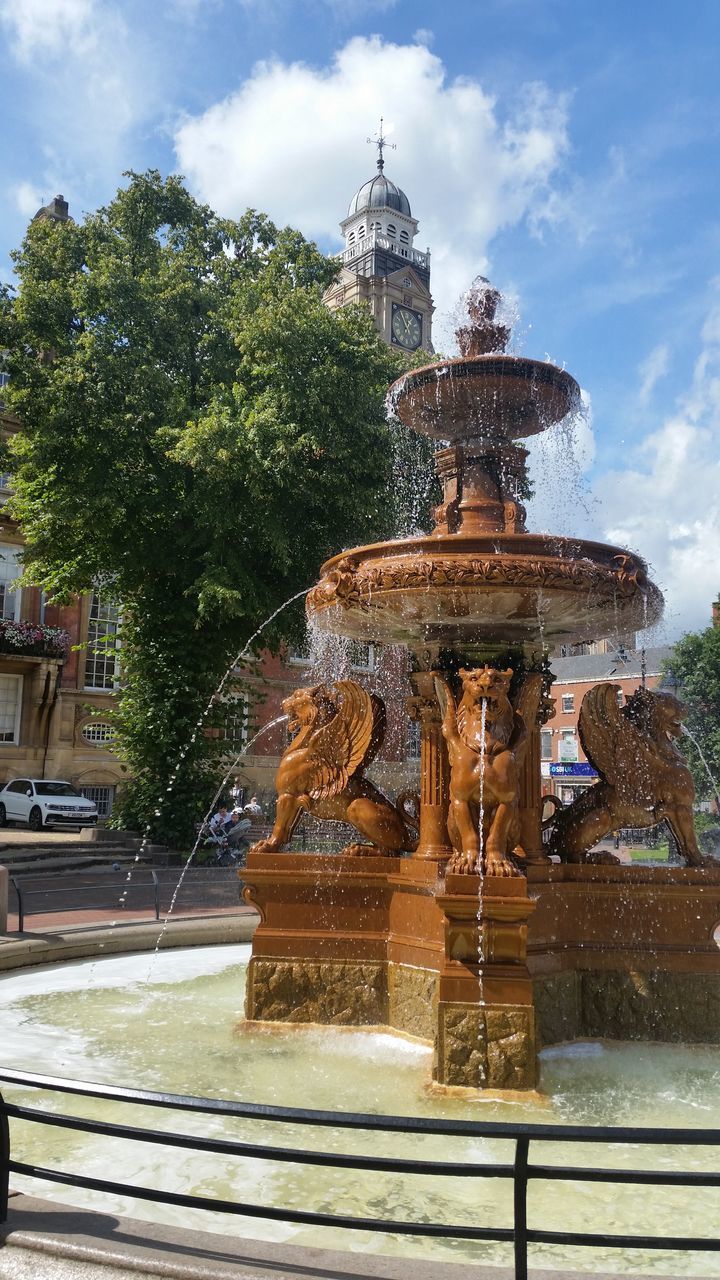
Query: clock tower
pixel 380 265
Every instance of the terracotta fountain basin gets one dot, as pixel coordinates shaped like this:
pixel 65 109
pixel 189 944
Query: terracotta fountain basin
pixel 506 396
pixel 482 589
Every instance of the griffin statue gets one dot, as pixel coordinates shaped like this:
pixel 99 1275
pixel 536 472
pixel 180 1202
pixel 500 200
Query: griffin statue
pixel 337 730
pixel 486 738
pixel 643 777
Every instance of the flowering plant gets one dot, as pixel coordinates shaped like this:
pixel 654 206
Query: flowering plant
pixel 33 638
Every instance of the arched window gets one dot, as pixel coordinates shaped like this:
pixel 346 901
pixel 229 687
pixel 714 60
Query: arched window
pixel 361 232
pixel 391 229
pixel 375 226
pixel 404 237
pixel 351 238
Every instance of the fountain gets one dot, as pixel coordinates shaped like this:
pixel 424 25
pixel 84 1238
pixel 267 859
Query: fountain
pixel 478 942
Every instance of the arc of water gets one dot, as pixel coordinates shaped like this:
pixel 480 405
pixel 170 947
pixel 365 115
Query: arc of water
pixel 236 661
pixel 711 777
pixel 481 834
pixel 240 656
pixel 216 797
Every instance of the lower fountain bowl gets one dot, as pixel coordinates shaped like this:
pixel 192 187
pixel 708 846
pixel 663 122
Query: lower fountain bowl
pixel 490 589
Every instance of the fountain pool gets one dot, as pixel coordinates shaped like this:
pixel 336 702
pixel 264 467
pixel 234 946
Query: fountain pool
pixel 177 1028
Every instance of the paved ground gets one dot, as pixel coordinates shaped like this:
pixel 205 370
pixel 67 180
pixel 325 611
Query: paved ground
pixel 21 835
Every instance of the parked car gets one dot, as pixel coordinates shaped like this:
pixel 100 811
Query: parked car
pixel 45 802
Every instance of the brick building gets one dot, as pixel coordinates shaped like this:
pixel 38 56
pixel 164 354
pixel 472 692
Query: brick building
pixel 58 670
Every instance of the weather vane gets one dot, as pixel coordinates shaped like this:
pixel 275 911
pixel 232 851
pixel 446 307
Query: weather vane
pixel 380 142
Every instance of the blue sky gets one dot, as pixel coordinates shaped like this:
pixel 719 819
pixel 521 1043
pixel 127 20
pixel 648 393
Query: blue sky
pixel 567 149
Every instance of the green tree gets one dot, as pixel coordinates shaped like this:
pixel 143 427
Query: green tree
pixel 199 433
pixel 694 671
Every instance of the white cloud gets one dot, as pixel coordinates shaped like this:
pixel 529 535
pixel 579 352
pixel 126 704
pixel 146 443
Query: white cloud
pixel 291 141
pixel 41 27
pixel 89 82
pixel 666 504
pixel 652 369
pixel 27 198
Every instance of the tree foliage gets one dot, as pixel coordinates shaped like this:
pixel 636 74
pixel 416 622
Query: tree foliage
pixel 199 433
pixel 694 670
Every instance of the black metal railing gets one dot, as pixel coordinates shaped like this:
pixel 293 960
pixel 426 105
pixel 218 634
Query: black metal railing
pixel 122 890
pixel 521 1171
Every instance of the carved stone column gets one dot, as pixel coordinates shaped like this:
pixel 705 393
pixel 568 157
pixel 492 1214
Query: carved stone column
pixel 531 800
pixel 434 843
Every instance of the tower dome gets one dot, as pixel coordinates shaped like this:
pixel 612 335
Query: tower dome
pixel 379 193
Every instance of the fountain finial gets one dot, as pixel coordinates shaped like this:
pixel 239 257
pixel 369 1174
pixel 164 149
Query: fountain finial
pixel 482 335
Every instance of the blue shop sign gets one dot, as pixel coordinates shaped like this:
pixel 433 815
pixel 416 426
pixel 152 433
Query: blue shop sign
pixel 572 771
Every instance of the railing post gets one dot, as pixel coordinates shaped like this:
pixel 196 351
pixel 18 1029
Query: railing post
pixel 4 881
pixel 520 1181
pixel 21 914
pixel 4 1161
pixel 157 894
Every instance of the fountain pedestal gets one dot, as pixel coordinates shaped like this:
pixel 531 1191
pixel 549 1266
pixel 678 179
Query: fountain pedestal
pixel 386 942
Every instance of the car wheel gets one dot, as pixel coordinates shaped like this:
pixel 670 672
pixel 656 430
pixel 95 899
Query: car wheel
pixel 35 821
pixel 3 815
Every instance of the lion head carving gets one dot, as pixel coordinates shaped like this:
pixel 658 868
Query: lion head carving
pixel 315 705
pixel 658 715
pixel 490 686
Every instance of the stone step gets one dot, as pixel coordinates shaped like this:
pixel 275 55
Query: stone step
pixel 50 852
pixel 36 868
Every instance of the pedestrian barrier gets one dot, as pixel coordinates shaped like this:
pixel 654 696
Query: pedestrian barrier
pixel 520 1170
pixel 123 888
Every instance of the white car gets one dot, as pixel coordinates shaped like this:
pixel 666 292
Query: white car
pixel 45 802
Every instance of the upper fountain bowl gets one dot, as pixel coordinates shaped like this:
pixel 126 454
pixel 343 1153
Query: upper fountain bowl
pixel 483 394
pixel 493 396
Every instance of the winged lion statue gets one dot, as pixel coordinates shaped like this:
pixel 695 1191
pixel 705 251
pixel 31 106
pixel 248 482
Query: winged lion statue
pixel 337 730
pixel 643 777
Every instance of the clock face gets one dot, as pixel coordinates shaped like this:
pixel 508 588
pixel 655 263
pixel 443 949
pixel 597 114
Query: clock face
pixel 406 327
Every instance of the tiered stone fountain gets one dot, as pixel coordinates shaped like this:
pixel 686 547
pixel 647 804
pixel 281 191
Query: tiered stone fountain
pixel 435 945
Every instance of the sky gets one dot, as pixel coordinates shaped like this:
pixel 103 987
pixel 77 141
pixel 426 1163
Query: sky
pixel 567 149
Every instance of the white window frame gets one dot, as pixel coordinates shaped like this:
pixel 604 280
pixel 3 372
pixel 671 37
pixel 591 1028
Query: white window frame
pixel 242 702
pixel 413 740
pixel 15 595
pixel 298 659
pixel 102 657
pixel 568 739
pixel 15 741
pixel 97 726
pixel 368 667
pixel 569 699
pixel 546 744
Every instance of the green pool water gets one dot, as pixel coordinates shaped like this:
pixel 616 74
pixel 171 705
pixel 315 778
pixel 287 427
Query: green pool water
pixel 173 1022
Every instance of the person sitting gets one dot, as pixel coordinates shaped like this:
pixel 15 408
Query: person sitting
pixel 237 828
pixel 253 808
pixel 219 821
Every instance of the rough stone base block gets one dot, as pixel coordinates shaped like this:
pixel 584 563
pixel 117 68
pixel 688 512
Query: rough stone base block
pixel 627 1004
pixel 334 993
pixel 412 1000
pixel 631 1005
pixel 558 1008
pixel 486 1046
